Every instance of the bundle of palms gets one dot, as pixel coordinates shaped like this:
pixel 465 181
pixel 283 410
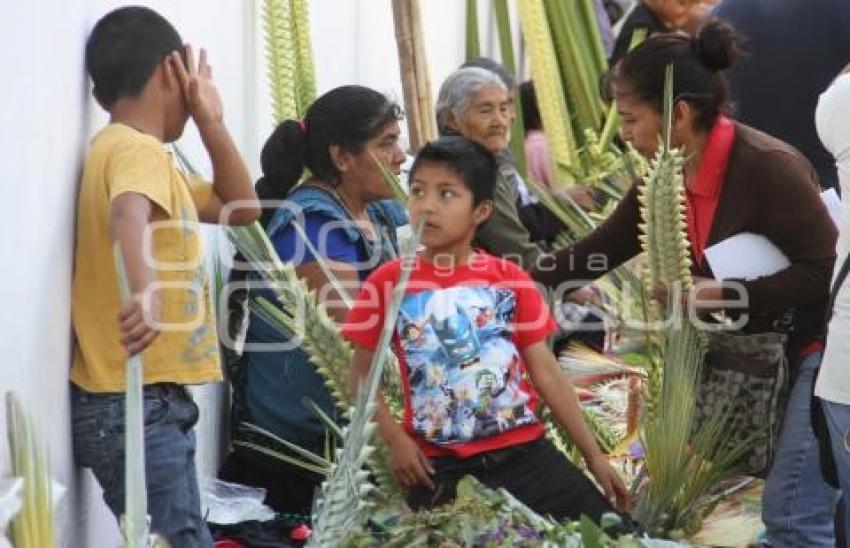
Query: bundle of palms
pixel 481 516
pixel 680 466
pixel 567 64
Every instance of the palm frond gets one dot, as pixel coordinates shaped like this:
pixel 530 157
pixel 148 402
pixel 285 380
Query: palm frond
pixel 548 87
pixel 342 505
pixel 134 522
pixel 391 179
pixel 33 526
pixel 305 80
pixel 506 47
pixel 307 321
pixel 681 465
pixel 473 48
pixel 282 58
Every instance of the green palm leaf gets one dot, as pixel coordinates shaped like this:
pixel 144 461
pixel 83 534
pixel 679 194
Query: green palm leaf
pixel 342 504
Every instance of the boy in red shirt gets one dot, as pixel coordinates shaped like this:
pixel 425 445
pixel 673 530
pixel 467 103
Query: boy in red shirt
pixel 471 379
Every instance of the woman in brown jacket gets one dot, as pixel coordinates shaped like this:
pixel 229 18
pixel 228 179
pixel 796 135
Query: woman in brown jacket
pixel 737 180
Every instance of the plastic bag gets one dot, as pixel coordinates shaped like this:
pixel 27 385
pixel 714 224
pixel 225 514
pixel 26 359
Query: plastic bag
pixel 228 503
pixel 11 498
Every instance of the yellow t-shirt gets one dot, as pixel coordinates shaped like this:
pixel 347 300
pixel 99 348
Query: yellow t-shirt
pixel 121 160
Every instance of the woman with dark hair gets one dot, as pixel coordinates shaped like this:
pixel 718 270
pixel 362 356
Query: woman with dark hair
pixel 737 180
pixel 345 211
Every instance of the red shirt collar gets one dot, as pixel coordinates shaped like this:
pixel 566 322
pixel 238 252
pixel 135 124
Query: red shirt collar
pixel 715 158
pixel 703 197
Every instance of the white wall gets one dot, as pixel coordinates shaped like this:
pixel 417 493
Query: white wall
pixel 47 117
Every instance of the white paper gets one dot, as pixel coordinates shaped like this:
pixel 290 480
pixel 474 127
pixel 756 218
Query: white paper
pixel 833 204
pixel 745 256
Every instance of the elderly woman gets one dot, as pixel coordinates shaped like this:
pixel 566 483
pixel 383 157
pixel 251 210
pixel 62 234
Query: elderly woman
pixel 476 103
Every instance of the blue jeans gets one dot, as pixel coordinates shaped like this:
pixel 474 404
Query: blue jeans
pixel 172 484
pixel 798 506
pixel 838 421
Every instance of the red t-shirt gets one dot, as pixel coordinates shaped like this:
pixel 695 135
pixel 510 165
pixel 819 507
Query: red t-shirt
pixel 459 336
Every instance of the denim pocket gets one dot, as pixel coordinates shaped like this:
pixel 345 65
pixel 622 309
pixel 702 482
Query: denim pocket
pixel 155 407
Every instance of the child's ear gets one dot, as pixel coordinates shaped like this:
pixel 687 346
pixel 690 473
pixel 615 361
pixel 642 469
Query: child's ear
pixel 482 212
pixel 169 75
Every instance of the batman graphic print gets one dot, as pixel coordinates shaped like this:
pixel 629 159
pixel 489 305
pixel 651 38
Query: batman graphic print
pixel 464 372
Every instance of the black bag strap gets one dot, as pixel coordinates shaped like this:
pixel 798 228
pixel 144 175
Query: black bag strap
pixel 828 466
pixel 833 294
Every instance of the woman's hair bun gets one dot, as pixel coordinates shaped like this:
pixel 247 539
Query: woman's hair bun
pixel 716 44
pixel 282 158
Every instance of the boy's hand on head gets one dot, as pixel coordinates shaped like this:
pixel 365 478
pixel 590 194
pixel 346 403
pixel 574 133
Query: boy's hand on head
pixel 202 97
pixel 138 320
pixel 409 464
pixel 611 482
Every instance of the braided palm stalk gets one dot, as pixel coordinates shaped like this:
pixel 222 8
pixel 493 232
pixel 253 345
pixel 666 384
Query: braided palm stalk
pixel 664 236
pixel 547 86
pixel 606 434
pixel 281 57
pixel 664 239
pixel 328 351
pixel 305 82
pixel 342 505
pixel 682 464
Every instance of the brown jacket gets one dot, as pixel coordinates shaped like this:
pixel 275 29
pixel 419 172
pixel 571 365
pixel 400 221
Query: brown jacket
pixel 770 189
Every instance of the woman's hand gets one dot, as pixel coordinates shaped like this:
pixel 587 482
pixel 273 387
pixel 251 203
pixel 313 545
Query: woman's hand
pixel 611 482
pixel 409 464
pixel 706 294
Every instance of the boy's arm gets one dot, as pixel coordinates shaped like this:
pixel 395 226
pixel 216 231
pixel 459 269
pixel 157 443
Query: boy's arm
pixel 130 213
pixel 409 464
pixel 233 201
pixel 557 392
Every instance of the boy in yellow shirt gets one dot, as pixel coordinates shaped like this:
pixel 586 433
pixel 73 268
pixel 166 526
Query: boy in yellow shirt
pixel 132 193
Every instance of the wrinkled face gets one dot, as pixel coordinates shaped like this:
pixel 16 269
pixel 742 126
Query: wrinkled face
pixel 640 125
pixel 487 118
pixel 439 197
pixel 366 172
